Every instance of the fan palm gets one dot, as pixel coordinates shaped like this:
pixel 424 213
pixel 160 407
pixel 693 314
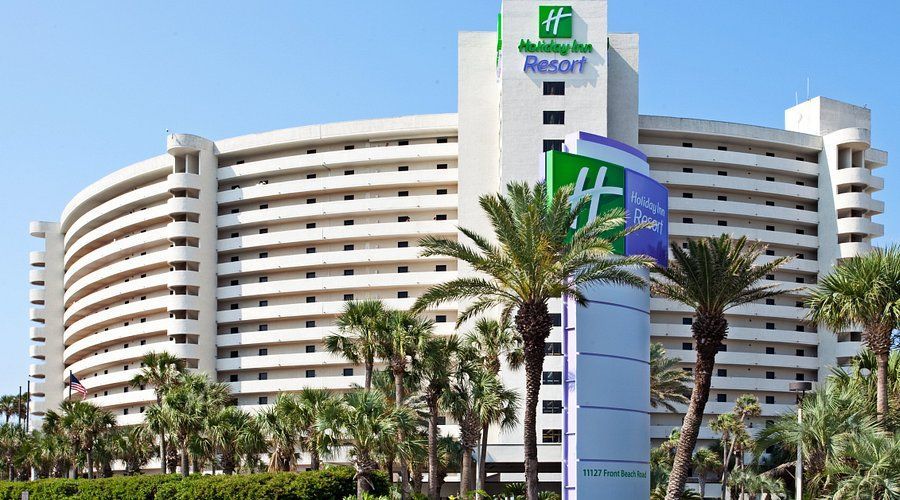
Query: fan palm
pixel 133 446
pixel 359 325
pixel 186 408
pixel 309 405
pixel 668 382
pixel 161 370
pixel 863 290
pixel 711 275
pixel 278 423
pixel 536 258
pixel 86 423
pixel 705 462
pixel 867 466
pixel 435 367
pixel 234 433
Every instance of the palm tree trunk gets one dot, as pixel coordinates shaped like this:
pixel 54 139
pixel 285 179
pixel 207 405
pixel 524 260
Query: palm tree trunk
pixel 702 487
pixel 882 393
pixel 706 358
pixel 465 471
pixel 90 464
pixel 314 462
pixel 434 492
pixel 482 459
pixel 398 401
pixel 369 367
pixel 533 324
pixel 185 462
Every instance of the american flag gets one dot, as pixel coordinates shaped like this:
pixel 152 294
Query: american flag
pixel 76 386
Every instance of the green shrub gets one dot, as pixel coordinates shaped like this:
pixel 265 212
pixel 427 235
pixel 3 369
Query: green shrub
pixel 330 483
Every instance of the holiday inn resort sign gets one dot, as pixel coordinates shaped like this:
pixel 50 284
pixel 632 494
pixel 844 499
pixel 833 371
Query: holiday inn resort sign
pixel 554 22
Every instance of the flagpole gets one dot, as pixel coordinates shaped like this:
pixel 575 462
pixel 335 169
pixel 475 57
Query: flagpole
pixel 70 384
pixel 19 406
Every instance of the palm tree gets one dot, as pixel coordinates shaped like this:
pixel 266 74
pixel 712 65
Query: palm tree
pixel 162 371
pixel 863 290
pixel 359 325
pixel 668 382
pixel 186 408
pixel 233 433
pixel 278 423
pixel 402 338
pixel 752 483
pixel 86 424
pixel 449 457
pixel 363 422
pixel 712 275
pixel 133 446
pixel 705 462
pixel 868 467
pixel 494 405
pixel 536 258
pixel 309 405
pixel 435 367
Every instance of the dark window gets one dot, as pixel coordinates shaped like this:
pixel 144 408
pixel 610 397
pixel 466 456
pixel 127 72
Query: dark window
pixel 263 328
pixel 687 346
pixel 311 348
pixel 264 205
pixel 723 222
pixel 235 210
pixel 234 235
pixel 263 376
pixel 403 295
pixel 770 203
pixel 799 158
pixel 263 400
pixel 310 176
pixel 552 406
pixel 721 372
pixel 770 400
pixel 440 318
pixel 770 375
pixel 554 117
pixel 722 198
pixel 403 193
pixel 263 303
pixel 232 378
pixel 687 195
pixel 799 231
pixel 687 220
pixel 441 191
pixel 311 250
pixel 348 248
pixel 403 168
pixel 770 350
pixel 442 166
pixel 770 228
pixel 348 147
pixel 799 279
pixel 263 352
pixel 799 377
pixel 800 353
pixel 348 272
pixel 233 354
pixel 235 258
pixel 553 349
pixel 402 244
pixel 554 88
pixel 348 372
pixel 403 269
pixel 310 300
pixel 551 378
pixel 234 306
pixel 721 398
pixel 770 302
pixel 310 374
pixel 722 348
pixel 234 282
pixel 311 324
pixel 770 326
pixel 403 218
pixel 348 222
pixel 687 170
pixel 310 201
pixel 310 151
pixel 800 207
pixel 403 143
pixel 770 252
pixel 442 140
pixel 440 267
pixel 770 179
pixel 348 197
pixel 234 329
pixel 723 173
pixel 687 321
pixel 263 255
pixel 310 274
pixel 553 145
pixel 348 296
pixel 687 144
pixel 723 148
pixel 551 436
pixel 556 318
pixel 440 217
pixel 770 154
pixel 263 279
pixel 800 328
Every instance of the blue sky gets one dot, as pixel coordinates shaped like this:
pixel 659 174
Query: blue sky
pixel 89 87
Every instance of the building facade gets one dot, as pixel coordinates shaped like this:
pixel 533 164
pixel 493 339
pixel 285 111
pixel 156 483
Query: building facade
pixel 237 254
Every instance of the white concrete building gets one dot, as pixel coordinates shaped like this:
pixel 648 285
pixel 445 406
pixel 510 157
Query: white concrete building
pixel 237 254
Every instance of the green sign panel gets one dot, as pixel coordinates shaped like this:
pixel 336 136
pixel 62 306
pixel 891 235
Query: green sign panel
pixel 555 21
pixel 604 182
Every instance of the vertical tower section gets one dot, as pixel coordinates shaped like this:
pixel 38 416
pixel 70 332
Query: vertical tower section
pixel 47 312
pixel 192 256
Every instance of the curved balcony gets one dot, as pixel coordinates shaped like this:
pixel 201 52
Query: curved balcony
pixel 37 351
pixel 183 206
pixel 36 277
pixel 740 185
pixel 117 229
pixel 36 296
pixel 183 303
pixel 862 201
pixel 182 278
pixel 125 312
pixel 856 175
pixel 131 355
pixel 683 332
pixel 38 407
pixel 275 361
pixel 36 333
pixel 752 310
pixel 130 398
pixel 182 254
pixel 330 308
pixel 875 158
pixel 182 181
pixel 39 229
pixel 113 252
pixel 114 272
pixel 848 349
pixel 289 262
pixel 694 156
pixel 753 359
pixel 183 326
pixel 38 389
pixel 182 229
pixel 751 384
pixel 859 225
pixel 113 294
pixel 769 237
pixel 37 258
pixel 179 144
pixel 37 314
pixel 116 207
pixel 855 138
pixel 740 209
pixel 296 384
pixel 853 249
pixel 113 336
pixel 36 371
pixel 358 282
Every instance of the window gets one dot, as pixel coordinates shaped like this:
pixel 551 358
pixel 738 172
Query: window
pixel 770 350
pixel 348 248
pixel 800 183
pixel 440 267
pixel 348 296
pixel 554 88
pixel 721 398
pixel 310 176
pixel 723 148
pixel 440 318
pixel 799 231
pixel 440 217
pixel 551 436
pixel 234 329
pixel 263 328
pixel 310 201
pixel 263 303
pixel 723 173
pixel 263 255
pixel 551 378
pixel 770 375
pixel 311 348
pixel 554 117
pixel 770 400
pixel 348 222
pixel 770 179
pixel 552 406
pixel 800 353
pixel 722 198
pixel 403 218
pixel 721 372
pixel 553 349
pixel 403 143
pixel 687 321
pixel 348 147
pixel 234 282
pixel 770 302
pixel 799 377
pixel 441 191
pixel 687 170
pixel 310 300
pixel 798 303
pixel 770 228
pixel 264 205
pixel 403 269
pixel 125 411
pixel 310 374
pixel 235 258
pixel 687 144
pixel 799 279
pixel 402 244
pixel 234 235
pixel 800 207
pixel 235 210
pixel 310 151
pixel 770 203
pixel 442 166
pixel 553 145
pixel 556 318
pixel 263 279
pixel 263 352
pixel 310 249
pixel 799 158
pixel 348 272
pixel 263 400
pixel 770 154
pixel 770 277
pixel 687 195
pixel 402 193
pixel 723 222
pixel 348 372
pixel 442 140
pixel 348 197
pixel 349 172
pixel 770 326
pixel 311 324
pixel 403 168
pixel 310 274
pixel 263 376
pixel 403 295
pixel 722 348
pixel 770 252
pixel 800 328
pixel 687 346
pixel 233 378
pixel 234 306
pixel 687 220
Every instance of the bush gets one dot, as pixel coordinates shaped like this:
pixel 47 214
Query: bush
pixel 330 483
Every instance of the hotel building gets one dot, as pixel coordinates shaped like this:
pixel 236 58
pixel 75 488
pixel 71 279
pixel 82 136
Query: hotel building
pixel 236 254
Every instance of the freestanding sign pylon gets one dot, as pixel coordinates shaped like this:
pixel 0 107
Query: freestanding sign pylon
pixel 606 417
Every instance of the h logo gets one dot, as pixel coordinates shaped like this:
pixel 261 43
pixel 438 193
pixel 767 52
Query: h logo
pixel 595 192
pixel 555 21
